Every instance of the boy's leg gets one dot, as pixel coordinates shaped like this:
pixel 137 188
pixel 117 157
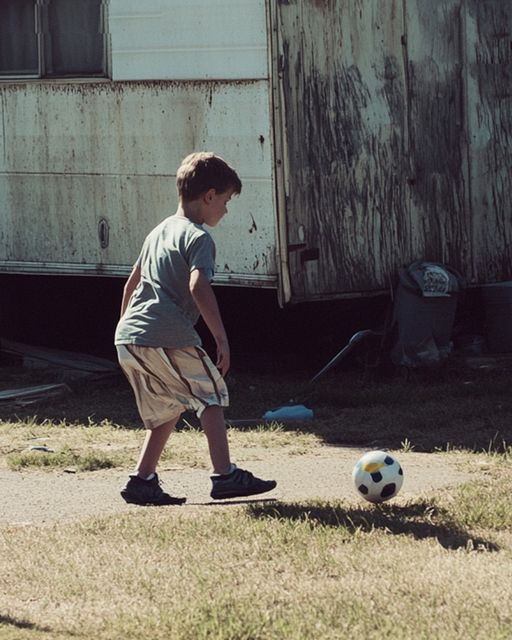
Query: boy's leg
pixel 214 427
pixel 143 487
pixel 229 481
pixel 154 444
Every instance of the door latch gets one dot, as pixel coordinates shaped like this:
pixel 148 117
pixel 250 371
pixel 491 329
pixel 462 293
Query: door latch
pixel 103 232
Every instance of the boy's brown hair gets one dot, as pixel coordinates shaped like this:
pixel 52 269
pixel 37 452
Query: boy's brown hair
pixel 201 171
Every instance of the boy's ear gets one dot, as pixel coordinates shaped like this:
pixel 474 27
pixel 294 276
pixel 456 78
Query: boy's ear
pixel 209 195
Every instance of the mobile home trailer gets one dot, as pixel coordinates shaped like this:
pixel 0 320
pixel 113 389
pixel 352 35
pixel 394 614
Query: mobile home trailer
pixel 367 133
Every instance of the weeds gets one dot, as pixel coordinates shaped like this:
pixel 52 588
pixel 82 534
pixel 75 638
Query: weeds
pixel 406 445
pixel 66 458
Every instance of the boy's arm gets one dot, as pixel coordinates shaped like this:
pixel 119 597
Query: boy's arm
pixel 206 302
pixel 129 287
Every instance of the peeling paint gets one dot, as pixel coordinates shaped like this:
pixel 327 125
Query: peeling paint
pixel 436 132
pixel 398 136
pixel 489 26
pixel 344 122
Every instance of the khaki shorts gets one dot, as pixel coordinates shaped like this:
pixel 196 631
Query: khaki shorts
pixel 167 382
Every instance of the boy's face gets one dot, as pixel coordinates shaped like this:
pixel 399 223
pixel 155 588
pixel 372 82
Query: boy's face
pixel 215 206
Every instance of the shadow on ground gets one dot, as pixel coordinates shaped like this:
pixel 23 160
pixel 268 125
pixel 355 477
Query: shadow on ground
pixel 16 623
pixel 418 520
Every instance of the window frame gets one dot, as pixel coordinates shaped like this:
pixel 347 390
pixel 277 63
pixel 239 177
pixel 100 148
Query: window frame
pixel 41 74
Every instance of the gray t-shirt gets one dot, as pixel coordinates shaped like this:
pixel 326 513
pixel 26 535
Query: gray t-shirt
pixel 161 311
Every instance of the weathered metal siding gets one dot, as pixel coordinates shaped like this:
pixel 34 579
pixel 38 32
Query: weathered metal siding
pixel 489 79
pixel 391 119
pixel 184 40
pixel 343 86
pixel 437 149
pixel 81 158
pixel 380 99
pixel 78 153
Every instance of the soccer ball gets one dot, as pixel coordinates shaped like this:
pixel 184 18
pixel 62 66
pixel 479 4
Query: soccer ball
pixel 377 476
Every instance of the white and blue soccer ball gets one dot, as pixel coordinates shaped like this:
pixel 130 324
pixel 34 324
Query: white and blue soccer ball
pixel 377 476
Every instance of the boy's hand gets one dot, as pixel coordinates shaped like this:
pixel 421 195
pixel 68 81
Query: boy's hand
pixel 223 357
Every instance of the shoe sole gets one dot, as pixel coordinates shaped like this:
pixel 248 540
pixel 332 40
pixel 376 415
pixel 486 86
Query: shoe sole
pixel 132 500
pixel 242 494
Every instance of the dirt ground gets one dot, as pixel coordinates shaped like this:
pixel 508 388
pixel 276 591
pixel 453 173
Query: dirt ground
pixel 46 497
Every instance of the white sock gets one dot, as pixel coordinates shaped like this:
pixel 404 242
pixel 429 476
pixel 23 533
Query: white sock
pixel 232 467
pixel 137 474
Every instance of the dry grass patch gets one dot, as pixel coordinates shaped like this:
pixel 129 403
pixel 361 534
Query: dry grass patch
pixel 485 503
pixel 435 568
pixel 106 445
pixel 82 447
pixel 318 570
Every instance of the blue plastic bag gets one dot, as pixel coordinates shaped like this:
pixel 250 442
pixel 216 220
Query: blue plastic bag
pixel 288 413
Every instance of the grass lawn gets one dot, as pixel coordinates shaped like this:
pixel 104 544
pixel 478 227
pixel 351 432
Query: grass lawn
pixel 438 566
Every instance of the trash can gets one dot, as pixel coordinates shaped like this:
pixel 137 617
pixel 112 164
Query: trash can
pixel 497 300
pixel 423 314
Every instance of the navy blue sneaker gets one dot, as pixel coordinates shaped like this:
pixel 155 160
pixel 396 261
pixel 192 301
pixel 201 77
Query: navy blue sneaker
pixel 147 492
pixel 238 484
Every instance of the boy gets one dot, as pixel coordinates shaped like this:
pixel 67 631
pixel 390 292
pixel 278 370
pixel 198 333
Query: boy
pixel 158 348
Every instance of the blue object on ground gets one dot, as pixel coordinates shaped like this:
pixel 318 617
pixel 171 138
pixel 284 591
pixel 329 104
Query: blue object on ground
pixel 292 412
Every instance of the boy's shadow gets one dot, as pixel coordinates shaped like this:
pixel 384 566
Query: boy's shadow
pixel 231 502
pixel 18 623
pixel 418 520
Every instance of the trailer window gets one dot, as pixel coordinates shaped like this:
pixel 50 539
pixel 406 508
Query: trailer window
pixel 52 38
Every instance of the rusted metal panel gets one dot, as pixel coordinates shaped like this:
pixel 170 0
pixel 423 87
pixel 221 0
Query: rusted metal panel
pixel 343 84
pixel 81 153
pixel 489 78
pixel 180 40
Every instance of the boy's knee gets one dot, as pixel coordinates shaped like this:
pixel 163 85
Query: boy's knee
pixel 212 410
